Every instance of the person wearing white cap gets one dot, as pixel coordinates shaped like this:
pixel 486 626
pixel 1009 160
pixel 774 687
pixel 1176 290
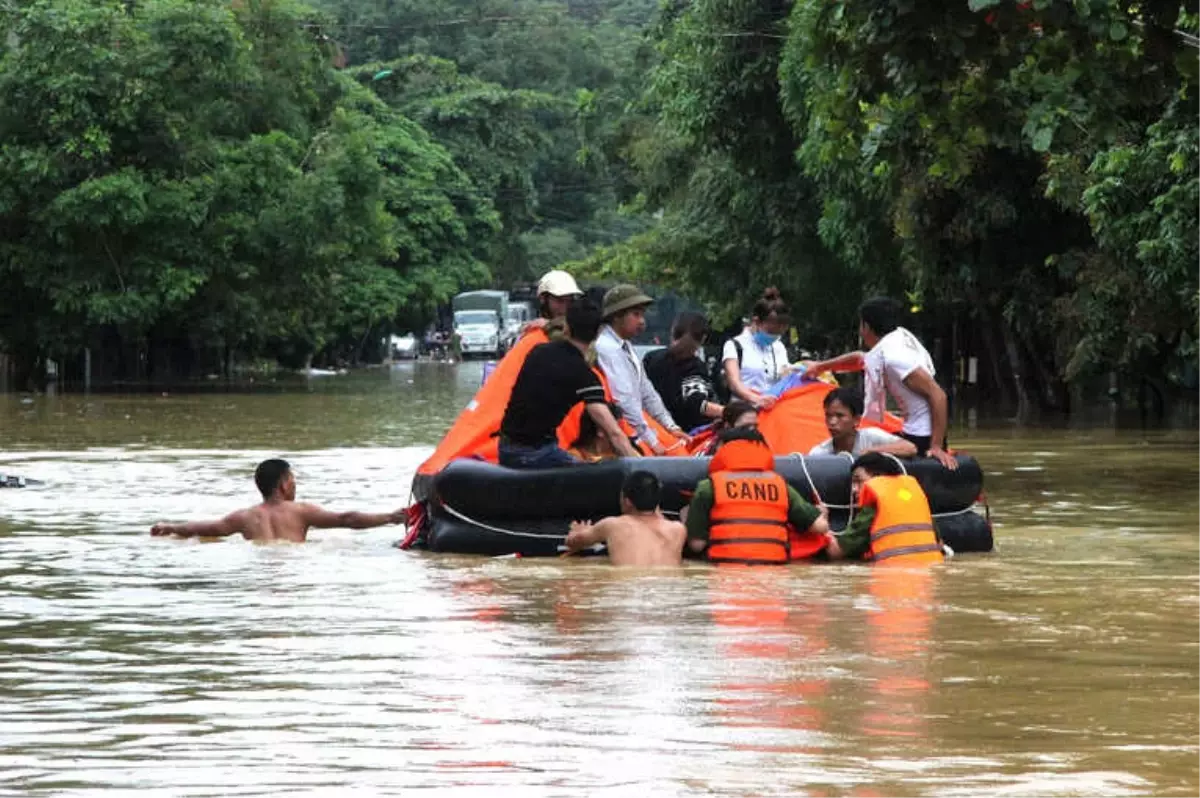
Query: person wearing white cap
pixel 556 290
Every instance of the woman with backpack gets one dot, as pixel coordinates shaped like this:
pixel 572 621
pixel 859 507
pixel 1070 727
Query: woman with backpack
pixel 753 361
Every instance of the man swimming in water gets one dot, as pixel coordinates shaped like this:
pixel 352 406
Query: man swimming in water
pixel 640 535
pixel 280 517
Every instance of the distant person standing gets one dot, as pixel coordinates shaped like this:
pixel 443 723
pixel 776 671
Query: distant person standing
pixel 680 377
pixel 756 359
pixel 896 363
pixel 625 319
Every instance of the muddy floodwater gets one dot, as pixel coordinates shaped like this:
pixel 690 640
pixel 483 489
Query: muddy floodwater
pixel 1064 664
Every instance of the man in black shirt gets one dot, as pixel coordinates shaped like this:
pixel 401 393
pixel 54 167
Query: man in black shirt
pixel 554 378
pixel 680 377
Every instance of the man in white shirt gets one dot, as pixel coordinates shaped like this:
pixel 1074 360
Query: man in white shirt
pixel 843 412
pixel 896 363
pixel 625 318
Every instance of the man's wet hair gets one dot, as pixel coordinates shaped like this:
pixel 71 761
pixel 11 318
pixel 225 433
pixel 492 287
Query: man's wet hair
pixel 269 475
pixel 643 490
pixel 688 322
pixel 735 410
pixel 584 320
pixel 878 465
pixel 881 314
pixel 852 399
pixel 750 434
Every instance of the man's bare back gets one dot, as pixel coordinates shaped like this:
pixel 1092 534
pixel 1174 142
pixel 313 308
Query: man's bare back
pixel 641 539
pixel 279 519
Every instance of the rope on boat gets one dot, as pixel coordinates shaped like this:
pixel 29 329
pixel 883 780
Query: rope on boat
pixel 897 461
pixel 498 530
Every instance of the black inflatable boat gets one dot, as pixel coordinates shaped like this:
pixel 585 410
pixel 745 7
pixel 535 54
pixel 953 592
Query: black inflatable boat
pixel 473 507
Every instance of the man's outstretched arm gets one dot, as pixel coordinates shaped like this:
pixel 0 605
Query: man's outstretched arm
pixel 320 518
pixel 229 525
pixel 851 361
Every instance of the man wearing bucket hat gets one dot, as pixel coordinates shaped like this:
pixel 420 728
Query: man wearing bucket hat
pixel 624 313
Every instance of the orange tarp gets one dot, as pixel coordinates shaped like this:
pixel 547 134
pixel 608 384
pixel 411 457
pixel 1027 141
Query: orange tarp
pixel 473 432
pixel 797 421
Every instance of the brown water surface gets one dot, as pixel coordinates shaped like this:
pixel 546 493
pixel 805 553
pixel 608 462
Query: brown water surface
pixel 1064 664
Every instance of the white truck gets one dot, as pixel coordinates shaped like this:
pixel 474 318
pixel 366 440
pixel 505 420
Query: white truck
pixel 481 321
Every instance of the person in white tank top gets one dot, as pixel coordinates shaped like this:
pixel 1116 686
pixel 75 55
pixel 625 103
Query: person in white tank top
pixel 897 364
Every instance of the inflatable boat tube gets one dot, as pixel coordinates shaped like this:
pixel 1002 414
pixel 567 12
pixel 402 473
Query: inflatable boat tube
pixel 485 491
pixel 964 531
pixel 475 507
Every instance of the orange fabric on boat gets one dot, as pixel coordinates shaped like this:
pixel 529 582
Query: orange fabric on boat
pixel 473 433
pixel 797 421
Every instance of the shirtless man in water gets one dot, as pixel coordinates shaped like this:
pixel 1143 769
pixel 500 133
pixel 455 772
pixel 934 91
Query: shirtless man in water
pixel 280 517
pixel 640 535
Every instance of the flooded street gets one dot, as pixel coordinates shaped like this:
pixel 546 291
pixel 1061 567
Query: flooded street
pixel 1064 664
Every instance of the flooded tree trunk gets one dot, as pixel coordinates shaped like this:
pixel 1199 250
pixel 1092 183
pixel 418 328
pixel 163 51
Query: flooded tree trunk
pixel 995 357
pixel 1024 406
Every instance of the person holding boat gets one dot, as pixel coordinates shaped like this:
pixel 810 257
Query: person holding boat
pixel 625 319
pixel 555 377
pixel 746 513
pixel 680 377
pixel 843 414
pixel 896 363
pixel 640 536
pixel 592 444
pixel 754 360
pixel 893 523
pixel 280 518
pixel 739 413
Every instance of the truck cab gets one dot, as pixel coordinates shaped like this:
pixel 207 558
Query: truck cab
pixel 481 321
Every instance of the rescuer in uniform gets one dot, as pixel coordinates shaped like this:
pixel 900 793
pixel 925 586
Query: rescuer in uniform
pixel 746 513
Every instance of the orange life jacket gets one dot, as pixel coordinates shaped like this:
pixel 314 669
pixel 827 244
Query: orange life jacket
pixel 902 531
pixel 749 519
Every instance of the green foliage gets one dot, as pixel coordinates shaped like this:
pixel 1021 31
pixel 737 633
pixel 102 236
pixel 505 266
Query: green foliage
pixel 1014 150
pixel 191 169
pixel 738 214
pixel 531 98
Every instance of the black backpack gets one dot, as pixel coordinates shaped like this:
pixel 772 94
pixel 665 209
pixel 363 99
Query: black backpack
pixel 717 372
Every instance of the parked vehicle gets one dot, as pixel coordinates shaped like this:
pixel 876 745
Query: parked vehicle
pixel 481 321
pixel 519 314
pixel 404 347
